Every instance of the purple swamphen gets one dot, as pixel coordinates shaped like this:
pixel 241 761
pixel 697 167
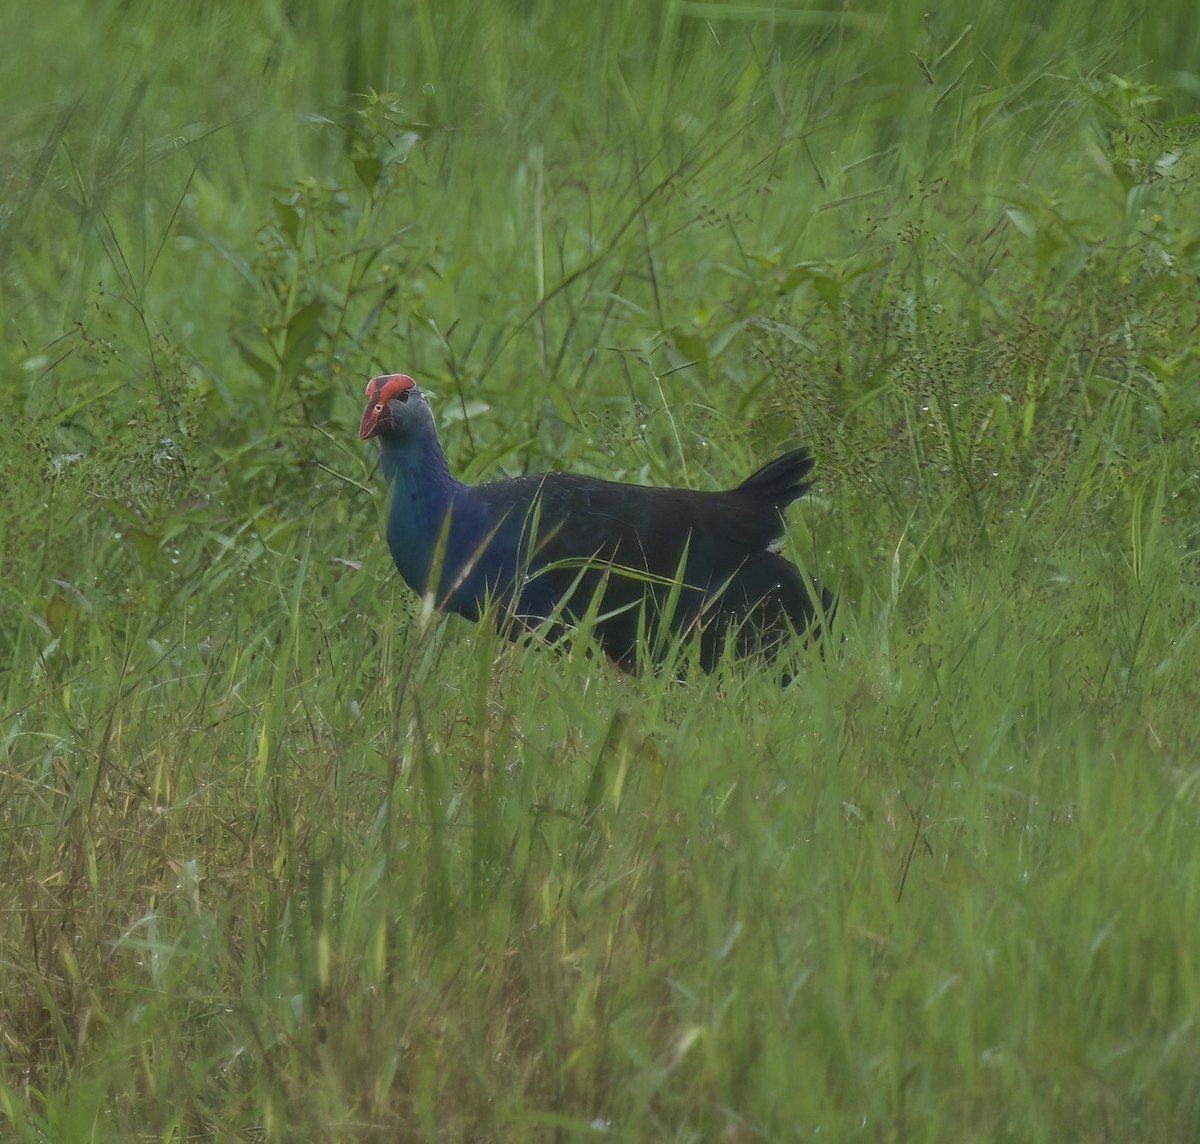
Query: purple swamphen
pixel 656 562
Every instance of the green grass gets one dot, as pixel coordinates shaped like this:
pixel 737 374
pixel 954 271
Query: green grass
pixel 285 860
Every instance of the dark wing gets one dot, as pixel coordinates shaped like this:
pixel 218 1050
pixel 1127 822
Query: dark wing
pixel 585 537
pixel 648 528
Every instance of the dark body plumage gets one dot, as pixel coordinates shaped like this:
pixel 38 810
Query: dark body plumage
pixel 544 547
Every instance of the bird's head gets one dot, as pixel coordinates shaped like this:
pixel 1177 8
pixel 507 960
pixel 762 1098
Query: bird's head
pixel 394 404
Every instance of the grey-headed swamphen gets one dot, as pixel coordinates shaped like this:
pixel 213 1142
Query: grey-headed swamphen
pixel 658 562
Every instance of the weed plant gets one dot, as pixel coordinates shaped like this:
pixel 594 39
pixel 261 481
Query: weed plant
pixel 288 858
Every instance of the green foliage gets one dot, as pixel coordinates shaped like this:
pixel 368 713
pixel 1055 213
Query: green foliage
pixel 289 857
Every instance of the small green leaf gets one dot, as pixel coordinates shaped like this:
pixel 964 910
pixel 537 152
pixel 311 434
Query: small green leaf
pixel 57 611
pixel 1022 220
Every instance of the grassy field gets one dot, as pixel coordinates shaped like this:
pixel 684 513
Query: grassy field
pixel 285 861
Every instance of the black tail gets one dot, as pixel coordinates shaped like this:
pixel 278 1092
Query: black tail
pixel 781 481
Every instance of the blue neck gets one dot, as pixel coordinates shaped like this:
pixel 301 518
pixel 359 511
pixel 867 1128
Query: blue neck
pixel 423 492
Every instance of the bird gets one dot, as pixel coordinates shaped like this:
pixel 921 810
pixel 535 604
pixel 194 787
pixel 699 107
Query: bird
pixel 647 566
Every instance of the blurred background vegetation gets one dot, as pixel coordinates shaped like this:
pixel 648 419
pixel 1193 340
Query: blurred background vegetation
pixel 286 862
